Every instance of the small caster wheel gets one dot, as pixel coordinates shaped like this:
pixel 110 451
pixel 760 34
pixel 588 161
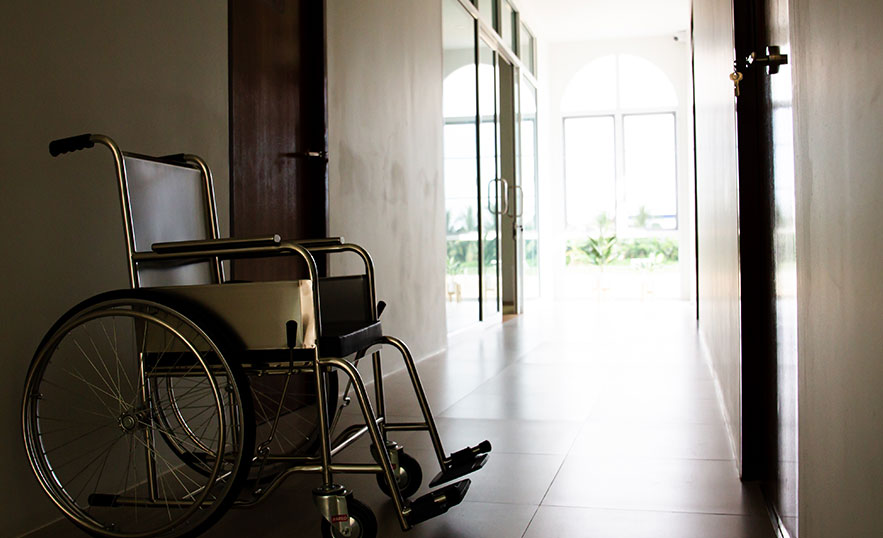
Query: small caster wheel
pixel 363 524
pixel 410 476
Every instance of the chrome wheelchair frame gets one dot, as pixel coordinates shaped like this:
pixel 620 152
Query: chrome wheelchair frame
pixel 154 429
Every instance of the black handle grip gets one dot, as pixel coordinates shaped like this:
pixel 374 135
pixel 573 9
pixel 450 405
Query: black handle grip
pixel 71 143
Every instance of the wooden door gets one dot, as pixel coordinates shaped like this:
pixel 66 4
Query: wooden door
pixel 766 155
pixel 278 126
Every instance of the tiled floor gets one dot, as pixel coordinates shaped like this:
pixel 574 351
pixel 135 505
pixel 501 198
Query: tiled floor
pixel 604 423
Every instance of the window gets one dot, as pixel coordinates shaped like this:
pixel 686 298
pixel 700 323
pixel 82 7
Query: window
pixel 620 180
pixel 508 24
pixel 527 51
pixel 620 149
pixel 488 10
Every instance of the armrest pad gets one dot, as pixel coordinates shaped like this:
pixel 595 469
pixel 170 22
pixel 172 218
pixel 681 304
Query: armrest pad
pixel 215 244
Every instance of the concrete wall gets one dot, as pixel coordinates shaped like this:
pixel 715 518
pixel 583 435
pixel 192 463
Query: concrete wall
pixel 151 75
pixel 717 199
pixel 385 142
pixel 839 168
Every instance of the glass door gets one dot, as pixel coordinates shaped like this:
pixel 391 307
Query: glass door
pixel 489 184
pixel 527 201
pixel 462 208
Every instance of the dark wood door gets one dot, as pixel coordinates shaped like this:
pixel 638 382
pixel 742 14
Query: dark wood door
pixel 278 126
pixel 766 155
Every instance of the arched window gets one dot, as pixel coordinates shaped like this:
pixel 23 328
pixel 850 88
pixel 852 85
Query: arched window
pixel 620 160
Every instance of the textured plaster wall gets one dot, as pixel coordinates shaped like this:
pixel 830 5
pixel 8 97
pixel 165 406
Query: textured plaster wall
pixel 838 106
pixel 151 75
pixel 386 186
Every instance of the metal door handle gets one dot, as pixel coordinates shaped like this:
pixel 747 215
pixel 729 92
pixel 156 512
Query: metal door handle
pixel 505 192
pixel 519 201
pixel 773 59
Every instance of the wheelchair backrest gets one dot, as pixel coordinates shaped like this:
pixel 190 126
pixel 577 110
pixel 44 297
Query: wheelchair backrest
pixel 169 199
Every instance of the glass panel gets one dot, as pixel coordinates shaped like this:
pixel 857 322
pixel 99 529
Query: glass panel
pixel 650 173
pixel 590 176
pixel 526 53
pixel 507 25
pixel 531 271
pixel 460 167
pixel 488 185
pixel 488 10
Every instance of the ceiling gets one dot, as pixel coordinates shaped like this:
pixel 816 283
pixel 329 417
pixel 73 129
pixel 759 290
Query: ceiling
pixel 581 20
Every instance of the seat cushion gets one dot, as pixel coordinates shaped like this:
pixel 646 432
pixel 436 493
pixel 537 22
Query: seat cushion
pixel 340 339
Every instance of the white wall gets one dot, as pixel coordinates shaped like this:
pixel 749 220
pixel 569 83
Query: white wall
pixel 560 61
pixel 838 105
pixel 386 187
pixel 717 199
pixel 151 75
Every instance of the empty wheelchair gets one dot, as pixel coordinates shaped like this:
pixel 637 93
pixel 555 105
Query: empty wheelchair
pixel 152 410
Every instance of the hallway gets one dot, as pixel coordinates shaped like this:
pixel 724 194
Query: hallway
pixel 604 423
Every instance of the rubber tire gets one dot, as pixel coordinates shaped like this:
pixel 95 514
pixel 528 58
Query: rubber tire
pixel 414 475
pixel 362 514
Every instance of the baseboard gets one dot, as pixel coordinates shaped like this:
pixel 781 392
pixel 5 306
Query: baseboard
pixel 721 400
pixel 776 521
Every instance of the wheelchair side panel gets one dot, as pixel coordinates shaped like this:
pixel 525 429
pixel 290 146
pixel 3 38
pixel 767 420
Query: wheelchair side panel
pixel 258 310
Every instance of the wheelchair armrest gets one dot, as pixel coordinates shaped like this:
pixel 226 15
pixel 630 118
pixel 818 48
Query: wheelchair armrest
pixel 311 244
pixel 178 247
pixel 275 240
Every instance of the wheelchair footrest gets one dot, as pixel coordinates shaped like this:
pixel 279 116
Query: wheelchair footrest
pixel 462 463
pixel 436 503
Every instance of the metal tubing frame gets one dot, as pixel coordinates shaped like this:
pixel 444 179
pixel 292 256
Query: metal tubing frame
pixel 193 161
pixel 421 400
pixel 324 426
pixel 212 216
pixel 376 436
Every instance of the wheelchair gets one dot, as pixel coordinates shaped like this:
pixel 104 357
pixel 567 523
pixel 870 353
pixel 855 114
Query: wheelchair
pixel 150 411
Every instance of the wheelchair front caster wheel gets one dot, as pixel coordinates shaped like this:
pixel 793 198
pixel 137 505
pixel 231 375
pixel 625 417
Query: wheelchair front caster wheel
pixel 363 524
pixel 409 477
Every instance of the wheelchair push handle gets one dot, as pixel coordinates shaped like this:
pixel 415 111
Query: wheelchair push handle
pixel 71 143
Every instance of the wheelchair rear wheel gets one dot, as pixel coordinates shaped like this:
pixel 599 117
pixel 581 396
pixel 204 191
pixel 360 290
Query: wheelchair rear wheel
pixel 134 421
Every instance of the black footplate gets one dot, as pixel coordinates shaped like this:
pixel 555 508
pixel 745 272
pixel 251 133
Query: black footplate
pixel 436 503
pixel 463 462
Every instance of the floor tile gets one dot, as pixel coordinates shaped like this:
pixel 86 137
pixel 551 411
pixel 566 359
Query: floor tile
pixel 467 520
pixel 612 440
pixel 704 486
pixel 561 522
pixel 555 406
